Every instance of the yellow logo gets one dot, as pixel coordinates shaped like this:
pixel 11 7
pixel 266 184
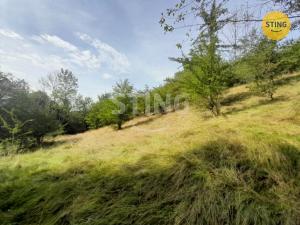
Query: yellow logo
pixel 276 25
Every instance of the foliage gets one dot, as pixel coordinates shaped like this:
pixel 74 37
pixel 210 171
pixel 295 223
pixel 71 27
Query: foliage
pixel 37 108
pixel 289 57
pixel 115 108
pixel 241 68
pixel 169 96
pixel 30 118
pixel 143 101
pixel 290 6
pixel 27 117
pixel 9 87
pixel 263 60
pixel 76 118
pixel 62 86
pixel 123 95
pixel 205 73
pixel 15 128
pixel 240 170
pixel 102 114
pixel 205 77
pixel 70 108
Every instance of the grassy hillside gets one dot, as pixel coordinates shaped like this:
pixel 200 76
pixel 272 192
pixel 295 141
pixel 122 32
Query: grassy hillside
pixel 181 168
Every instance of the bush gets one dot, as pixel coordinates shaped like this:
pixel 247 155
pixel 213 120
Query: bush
pixel 102 114
pixel 8 148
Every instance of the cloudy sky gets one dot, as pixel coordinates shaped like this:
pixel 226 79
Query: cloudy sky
pixel 101 41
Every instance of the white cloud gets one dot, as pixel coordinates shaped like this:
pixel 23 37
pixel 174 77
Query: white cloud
pixel 106 55
pixel 58 42
pixel 82 58
pixel 10 34
pixel 107 76
pixel 33 57
pixel 109 55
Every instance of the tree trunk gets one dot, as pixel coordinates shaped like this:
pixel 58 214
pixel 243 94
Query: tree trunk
pixel 39 141
pixel 218 108
pixel 215 106
pixel 271 96
pixel 119 125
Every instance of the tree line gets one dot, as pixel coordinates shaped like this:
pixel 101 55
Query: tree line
pixel 27 116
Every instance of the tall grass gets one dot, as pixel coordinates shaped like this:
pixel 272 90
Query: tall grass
pixel 243 168
pixel 218 183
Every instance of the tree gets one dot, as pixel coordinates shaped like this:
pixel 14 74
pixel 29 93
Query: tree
pixel 83 104
pixel 290 6
pixel 123 95
pixel 243 71
pixel 123 88
pixel 289 57
pixel 10 86
pixel 259 63
pixel 63 88
pixel 102 114
pixel 15 127
pixel 32 112
pixel 115 108
pixel 76 118
pixel 26 116
pixel 142 101
pixel 264 62
pixel 42 117
pixel 163 97
pixel 204 89
pixel 104 96
pixel 205 72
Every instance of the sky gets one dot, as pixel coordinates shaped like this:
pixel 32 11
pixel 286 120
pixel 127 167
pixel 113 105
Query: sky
pixel 101 41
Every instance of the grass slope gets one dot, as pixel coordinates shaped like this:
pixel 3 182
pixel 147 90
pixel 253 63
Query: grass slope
pixel 180 168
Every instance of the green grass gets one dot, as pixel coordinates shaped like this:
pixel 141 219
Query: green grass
pixel 180 168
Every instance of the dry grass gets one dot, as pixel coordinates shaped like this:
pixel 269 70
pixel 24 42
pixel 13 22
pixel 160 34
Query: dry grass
pixel 151 153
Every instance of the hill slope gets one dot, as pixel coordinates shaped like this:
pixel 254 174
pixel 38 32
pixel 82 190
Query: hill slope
pixel 180 168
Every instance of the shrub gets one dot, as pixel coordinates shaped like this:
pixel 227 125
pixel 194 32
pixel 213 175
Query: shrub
pixel 102 114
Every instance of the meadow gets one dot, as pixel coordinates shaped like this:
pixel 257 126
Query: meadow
pixel 185 167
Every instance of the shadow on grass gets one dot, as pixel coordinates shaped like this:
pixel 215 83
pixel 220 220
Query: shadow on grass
pixel 287 80
pixel 143 122
pixel 238 97
pixel 233 98
pixel 292 159
pixel 217 183
pixel 257 105
pixel 11 150
pixel 48 145
pixel 52 144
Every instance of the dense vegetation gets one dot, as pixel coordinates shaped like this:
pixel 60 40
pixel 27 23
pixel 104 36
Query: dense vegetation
pixel 233 158
pixel 238 169
pixel 26 116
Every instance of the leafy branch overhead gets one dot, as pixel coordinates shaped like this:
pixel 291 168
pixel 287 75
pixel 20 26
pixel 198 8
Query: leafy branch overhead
pixel 185 13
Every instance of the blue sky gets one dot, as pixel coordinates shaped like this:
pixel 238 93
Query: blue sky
pixel 101 41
